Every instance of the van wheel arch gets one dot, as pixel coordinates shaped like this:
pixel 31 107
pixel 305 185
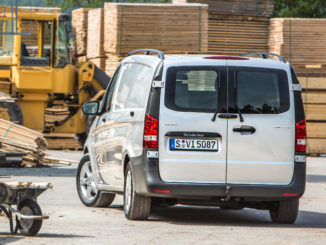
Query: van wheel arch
pixel 125 162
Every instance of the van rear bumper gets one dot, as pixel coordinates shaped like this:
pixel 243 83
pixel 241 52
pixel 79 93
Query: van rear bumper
pixel 148 183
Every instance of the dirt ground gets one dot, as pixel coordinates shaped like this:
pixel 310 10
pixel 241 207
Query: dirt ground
pixel 72 223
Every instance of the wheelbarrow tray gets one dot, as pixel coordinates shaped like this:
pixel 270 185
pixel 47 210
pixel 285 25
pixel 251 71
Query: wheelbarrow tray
pixel 13 192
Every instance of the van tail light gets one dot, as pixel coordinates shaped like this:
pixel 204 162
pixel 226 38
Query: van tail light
pixel 300 136
pixel 151 132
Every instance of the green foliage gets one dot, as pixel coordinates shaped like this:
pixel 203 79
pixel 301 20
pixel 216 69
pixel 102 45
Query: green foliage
pixel 300 8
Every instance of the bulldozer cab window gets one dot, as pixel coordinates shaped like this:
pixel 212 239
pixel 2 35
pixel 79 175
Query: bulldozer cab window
pixel 36 47
pixel 6 42
pixel 61 56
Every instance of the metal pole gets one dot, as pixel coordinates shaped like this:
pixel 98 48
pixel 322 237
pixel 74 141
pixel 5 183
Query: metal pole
pixel 16 15
pixel 12 16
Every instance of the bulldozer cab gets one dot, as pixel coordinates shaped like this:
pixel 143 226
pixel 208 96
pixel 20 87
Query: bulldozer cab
pixel 34 40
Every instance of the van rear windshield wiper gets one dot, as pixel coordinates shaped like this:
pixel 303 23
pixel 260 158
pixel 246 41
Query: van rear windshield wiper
pixel 215 113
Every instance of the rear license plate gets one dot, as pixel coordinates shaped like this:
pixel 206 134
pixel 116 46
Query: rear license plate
pixel 193 145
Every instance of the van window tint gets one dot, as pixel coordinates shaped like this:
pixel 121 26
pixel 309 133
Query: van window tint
pixel 262 91
pixel 134 86
pixel 192 90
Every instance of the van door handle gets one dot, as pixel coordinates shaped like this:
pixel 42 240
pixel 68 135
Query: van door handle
pixel 245 129
pixel 227 116
pixel 103 119
pixel 132 113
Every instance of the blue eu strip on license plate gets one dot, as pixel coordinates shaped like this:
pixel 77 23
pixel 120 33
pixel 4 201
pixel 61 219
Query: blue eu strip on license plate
pixel 172 144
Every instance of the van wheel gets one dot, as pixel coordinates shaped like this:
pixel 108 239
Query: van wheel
pixel 136 207
pixel 86 187
pixel 285 212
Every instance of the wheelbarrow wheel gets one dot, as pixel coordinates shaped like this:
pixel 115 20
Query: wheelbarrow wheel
pixel 29 227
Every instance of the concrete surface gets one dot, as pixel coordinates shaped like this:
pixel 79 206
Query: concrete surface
pixel 72 223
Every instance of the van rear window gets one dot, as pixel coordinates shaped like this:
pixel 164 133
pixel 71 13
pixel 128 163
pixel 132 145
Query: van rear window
pixel 192 89
pixel 261 91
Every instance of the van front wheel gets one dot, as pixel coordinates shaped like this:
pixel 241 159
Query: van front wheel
pixel 136 207
pixel 285 212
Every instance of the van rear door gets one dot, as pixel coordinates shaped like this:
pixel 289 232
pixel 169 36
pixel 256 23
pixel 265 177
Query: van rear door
pixel 261 147
pixel 192 147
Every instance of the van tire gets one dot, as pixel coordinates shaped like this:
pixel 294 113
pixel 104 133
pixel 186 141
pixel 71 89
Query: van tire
pixel 135 207
pixel 285 212
pixel 100 199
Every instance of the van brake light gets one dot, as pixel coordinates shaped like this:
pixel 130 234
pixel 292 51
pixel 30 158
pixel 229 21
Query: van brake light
pixel 151 132
pixel 300 136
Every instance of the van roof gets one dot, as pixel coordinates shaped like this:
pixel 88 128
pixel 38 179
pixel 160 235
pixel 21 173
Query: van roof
pixel 207 60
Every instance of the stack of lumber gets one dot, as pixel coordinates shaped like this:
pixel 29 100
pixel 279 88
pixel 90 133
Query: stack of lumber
pixel 236 7
pixel 79 25
pixel 235 34
pixel 95 38
pixel 62 141
pixel 301 41
pixel 16 138
pixel 171 28
pixel 314 102
pixel 236 26
pixel 55 114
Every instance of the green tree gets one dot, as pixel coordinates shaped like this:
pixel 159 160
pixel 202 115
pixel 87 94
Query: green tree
pixel 300 8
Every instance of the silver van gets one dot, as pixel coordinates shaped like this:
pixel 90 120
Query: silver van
pixel 225 131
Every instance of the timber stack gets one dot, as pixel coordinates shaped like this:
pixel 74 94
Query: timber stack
pixel 79 25
pixel 302 42
pixel 235 26
pixel 121 28
pixel 16 138
pixel 95 38
pixel 170 28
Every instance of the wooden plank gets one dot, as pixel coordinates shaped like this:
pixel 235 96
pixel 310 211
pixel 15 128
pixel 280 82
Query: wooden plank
pixel 313 82
pixel 316 146
pixel 316 129
pixel 315 112
pixel 314 97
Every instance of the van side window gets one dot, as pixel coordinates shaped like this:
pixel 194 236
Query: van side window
pixel 134 87
pixel 111 90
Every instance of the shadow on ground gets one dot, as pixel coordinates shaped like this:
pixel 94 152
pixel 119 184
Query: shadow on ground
pixel 315 178
pixel 7 239
pixel 191 215
pixel 52 171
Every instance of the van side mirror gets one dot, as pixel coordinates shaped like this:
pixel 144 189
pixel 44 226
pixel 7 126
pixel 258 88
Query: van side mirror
pixel 91 108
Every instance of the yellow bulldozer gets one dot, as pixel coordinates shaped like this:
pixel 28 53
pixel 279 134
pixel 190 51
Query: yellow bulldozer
pixel 40 87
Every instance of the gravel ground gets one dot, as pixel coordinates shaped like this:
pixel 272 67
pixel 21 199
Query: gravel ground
pixel 72 223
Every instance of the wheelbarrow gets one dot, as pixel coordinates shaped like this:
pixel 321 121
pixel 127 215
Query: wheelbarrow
pixel 28 214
